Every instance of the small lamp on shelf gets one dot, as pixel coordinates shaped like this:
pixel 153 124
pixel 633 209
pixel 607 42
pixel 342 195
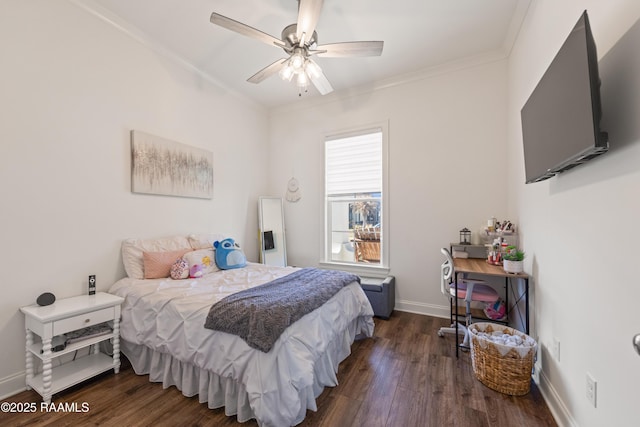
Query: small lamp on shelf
pixel 465 236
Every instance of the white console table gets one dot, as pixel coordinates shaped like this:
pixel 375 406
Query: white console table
pixel 66 315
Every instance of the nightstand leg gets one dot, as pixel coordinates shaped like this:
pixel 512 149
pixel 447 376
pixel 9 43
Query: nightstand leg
pixel 116 345
pixel 29 358
pixel 46 370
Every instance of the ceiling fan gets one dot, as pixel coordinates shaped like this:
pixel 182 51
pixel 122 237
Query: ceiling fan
pixel 299 41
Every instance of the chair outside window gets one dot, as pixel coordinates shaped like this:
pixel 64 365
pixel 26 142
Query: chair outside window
pixel 367 243
pixel 468 290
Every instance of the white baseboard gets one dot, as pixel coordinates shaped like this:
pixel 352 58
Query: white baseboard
pixel 554 402
pixel 12 385
pixel 422 308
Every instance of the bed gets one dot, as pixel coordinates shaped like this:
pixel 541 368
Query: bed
pixel 163 335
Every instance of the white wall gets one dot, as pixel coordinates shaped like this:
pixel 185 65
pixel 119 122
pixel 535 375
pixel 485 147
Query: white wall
pixel 447 151
pixel 71 89
pixel 580 228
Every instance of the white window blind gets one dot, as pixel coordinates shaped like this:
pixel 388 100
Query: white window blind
pixel 354 164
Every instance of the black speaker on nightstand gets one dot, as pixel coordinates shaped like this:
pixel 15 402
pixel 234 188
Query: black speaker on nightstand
pixel 46 299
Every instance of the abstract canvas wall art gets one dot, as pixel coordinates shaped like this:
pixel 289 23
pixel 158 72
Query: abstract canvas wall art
pixel 165 167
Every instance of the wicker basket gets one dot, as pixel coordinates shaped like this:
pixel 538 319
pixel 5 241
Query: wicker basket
pixel 502 368
pixel 367 244
pixel 367 250
pixel 367 233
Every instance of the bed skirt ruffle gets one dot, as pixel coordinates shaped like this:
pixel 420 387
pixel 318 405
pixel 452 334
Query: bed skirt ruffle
pixel 229 393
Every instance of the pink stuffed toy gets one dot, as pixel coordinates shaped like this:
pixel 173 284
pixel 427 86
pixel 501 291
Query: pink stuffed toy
pixel 179 269
pixel 195 271
pixel 495 310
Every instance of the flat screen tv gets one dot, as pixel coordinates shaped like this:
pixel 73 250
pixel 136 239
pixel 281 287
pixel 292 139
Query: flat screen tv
pixel 561 118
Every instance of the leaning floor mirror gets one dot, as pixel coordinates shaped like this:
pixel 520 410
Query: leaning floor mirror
pixel 273 250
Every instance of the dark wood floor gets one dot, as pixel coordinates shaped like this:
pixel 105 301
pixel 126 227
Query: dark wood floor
pixel 404 376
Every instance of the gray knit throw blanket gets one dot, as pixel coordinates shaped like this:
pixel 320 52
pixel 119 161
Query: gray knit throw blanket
pixel 259 315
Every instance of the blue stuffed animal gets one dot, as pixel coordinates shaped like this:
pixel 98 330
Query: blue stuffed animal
pixel 229 255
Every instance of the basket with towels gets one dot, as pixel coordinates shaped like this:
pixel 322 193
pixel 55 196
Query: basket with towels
pixel 502 357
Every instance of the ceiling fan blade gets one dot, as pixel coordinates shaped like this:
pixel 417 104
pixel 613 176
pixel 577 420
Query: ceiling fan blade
pixel 245 30
pixel 320 81
pixel 308 15
pixel 268 71
pixel 349 49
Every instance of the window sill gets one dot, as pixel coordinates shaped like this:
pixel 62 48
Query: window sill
pixel 358 269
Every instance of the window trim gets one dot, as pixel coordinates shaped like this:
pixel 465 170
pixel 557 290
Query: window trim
pixel 378 270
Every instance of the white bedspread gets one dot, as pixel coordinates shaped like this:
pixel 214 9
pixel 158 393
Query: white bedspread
pixel 168 316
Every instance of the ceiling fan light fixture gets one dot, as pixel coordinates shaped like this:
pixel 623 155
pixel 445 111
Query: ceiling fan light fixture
pixel 312 69
pixel 303 80
pixel 297 61
pixel 286 73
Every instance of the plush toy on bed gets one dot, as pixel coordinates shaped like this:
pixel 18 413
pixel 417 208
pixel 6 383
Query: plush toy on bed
pixel 179 269
pixel 229 255
pixel 196 271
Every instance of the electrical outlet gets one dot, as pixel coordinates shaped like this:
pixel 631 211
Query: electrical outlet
pixel 592 387
pixel 556 349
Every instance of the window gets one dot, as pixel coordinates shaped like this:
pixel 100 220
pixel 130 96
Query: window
pixel 354 198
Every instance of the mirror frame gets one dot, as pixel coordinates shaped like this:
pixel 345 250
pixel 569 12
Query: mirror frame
pixel 271 220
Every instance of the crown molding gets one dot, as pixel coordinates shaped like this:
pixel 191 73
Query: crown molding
pixel 399 80
pixel 141 37
pixel 522 8
pixel 122 25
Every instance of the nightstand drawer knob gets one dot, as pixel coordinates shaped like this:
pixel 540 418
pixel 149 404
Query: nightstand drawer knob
pixel 87 320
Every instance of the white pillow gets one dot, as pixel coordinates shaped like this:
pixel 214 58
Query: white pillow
pixel 203 257
pixel 132 250
pixel 204 240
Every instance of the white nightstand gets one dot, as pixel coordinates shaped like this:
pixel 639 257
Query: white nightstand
pixel 66 315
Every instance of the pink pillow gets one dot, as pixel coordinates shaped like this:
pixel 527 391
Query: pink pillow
pixel 157 265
